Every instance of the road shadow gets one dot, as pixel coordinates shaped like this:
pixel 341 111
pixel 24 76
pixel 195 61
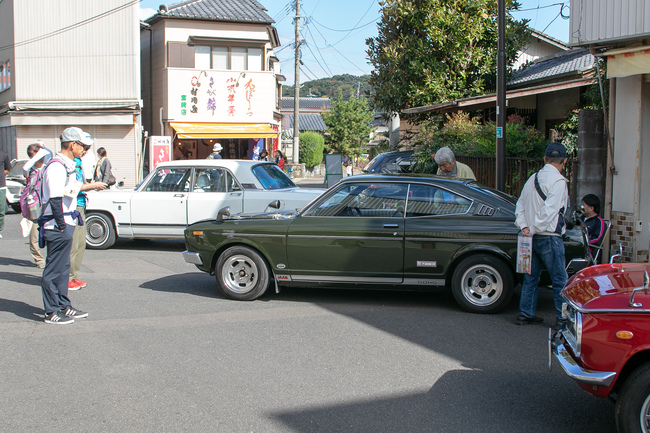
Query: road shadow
pixel 149 245
pixel 461 401
pixel 11 261
pixel 21 309
pixel 191 283
pixel 29 279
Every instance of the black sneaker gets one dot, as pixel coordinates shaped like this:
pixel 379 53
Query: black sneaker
pixel 73 312
pixel 58 318
pixel 525 320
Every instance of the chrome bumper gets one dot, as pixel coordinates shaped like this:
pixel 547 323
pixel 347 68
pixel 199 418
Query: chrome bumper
pixel 192 258
pixel 579 374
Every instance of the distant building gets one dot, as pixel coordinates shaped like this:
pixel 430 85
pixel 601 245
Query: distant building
pixel 71 63
pixel 209 74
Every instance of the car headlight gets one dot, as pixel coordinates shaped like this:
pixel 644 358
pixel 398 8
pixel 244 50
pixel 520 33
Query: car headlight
pixel 573 330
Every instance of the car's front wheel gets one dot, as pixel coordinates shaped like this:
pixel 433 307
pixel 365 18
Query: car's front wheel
pixel 632 411
pixel 100 232
pixel 242 274
pixel 482 284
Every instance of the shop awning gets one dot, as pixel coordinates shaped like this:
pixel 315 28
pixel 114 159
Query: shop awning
pixel 628 61
pixel 223 130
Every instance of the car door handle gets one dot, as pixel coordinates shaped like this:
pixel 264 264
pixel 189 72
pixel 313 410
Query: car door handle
pixel 391 226
pixel 179 195
pixel 237 194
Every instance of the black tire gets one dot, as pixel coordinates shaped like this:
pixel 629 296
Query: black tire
pixel 632 410
pixel 100 231
pixel 242 274
pixel 482 283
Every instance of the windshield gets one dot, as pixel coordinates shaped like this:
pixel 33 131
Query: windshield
pixel 17 168
pixel 271 177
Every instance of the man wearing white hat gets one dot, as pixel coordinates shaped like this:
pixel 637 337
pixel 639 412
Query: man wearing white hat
pixel 60 217
pixel 216 150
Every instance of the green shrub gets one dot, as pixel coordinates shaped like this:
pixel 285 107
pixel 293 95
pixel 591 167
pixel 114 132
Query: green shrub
pixel 312 145
pixel 467 136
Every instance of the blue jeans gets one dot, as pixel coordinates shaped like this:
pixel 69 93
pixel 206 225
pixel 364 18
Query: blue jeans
pixel 549 251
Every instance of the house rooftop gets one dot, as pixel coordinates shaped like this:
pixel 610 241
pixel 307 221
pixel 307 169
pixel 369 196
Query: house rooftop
pixel 323 103
pixel 241 11
pixel 568 64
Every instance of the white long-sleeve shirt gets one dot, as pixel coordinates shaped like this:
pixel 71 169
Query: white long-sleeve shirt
pixel 541 216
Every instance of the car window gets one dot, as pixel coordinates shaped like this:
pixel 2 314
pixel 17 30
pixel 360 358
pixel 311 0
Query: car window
pixel 170 179
pixel 214 180
pixel 17 168
pixel 427 200
pixel 384 200
pixel 272 177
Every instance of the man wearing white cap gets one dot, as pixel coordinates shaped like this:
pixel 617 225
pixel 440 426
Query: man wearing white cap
pixel 60 188
pixel 216 149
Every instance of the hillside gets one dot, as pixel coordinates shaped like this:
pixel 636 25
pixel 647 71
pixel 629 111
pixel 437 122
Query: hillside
pixel 348 84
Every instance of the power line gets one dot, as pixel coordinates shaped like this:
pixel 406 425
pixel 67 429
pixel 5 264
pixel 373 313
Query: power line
pixel 70 27
pixel 345 30
pixel 319 52
pixel 372 3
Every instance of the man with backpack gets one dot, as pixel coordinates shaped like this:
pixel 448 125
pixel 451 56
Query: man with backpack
pixel 540 214
pixel 38 156
pixel 60 188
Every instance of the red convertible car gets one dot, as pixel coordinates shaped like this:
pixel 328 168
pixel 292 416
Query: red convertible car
pixel 605 346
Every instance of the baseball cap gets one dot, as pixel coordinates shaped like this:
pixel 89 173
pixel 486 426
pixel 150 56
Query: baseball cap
pixel 555 149
pixel 217 147
pixel 76 134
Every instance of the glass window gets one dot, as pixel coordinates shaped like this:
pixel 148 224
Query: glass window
pixel 371 200
pixel 238 59
pixel 272 177
pixel 426 200
pixel 220 58
pixel 170 179
pixel 202 57
pixel 254 59
pixel 214 180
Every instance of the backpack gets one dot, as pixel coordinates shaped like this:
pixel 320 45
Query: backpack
pixel 30 199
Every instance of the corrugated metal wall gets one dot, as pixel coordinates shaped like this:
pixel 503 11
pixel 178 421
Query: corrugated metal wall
pixel 598 20
pixel 118 140
pixel 77 50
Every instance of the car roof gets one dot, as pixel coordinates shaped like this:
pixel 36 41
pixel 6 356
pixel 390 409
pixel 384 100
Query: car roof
pixel 227 163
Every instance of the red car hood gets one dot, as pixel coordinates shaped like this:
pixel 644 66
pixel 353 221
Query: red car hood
pixel 607 286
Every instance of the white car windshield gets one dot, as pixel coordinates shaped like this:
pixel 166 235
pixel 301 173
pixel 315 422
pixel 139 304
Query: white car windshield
pixel 271 177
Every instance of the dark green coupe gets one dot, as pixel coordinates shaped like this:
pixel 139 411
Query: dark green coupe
pixel 388 231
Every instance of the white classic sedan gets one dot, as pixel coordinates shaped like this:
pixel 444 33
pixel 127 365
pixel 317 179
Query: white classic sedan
pixel 178 193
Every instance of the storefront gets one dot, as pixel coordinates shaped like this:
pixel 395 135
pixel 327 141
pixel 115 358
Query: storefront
pixel 237 110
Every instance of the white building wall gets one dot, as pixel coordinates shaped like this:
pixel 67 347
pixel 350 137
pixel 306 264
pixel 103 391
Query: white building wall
pixel 598 20
pixel 76 50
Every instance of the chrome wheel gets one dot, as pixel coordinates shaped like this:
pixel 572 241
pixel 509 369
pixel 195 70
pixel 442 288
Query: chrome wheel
pixel 100 233
pixel 644 415
pixel 239 274
pixel 481 285
pixel 242 273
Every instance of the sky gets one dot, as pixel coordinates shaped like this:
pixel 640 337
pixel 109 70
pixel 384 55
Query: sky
pixel 335 31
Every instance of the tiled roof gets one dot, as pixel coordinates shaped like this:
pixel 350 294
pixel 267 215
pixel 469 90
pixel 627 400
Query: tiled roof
pixel 564 64
pixel 242 11
pixel 323 103
pixel 308 122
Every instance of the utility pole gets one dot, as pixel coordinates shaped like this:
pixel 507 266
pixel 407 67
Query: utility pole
pixel 296 90
pixel 501 100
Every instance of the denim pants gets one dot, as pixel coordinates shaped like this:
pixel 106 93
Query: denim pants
pixel 54 283
pixel 549 251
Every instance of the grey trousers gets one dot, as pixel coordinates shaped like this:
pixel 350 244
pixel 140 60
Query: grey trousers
pixel 54 283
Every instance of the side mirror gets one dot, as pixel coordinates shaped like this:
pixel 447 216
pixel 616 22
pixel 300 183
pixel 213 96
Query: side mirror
pixel 276 204
pixel 223 213
pixel 645 288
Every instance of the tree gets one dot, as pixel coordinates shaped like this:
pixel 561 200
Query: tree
pixel 432 51
pixel 312 145
pixel 348 123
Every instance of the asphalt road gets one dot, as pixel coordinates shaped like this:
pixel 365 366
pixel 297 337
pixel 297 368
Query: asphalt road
pixel 162 352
